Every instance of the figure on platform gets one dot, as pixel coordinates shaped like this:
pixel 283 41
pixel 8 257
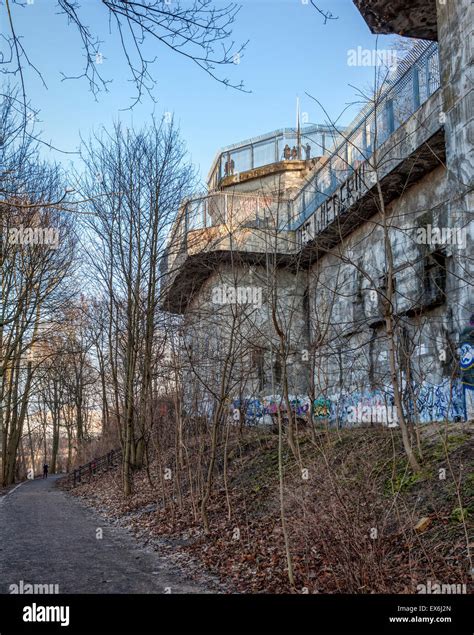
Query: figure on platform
pixel 229 166
pixel 294 153
pixel 286 152
pixel 307 150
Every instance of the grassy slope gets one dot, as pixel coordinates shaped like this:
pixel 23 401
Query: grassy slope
pixel 351 521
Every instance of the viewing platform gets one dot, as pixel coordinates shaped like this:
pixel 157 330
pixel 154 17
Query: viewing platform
pixel 392 142
pixel 286 149
pixel 219 227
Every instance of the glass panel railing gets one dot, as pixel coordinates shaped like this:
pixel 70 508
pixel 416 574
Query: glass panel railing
pixel 217 211
pixel 264 153
pixel 313 141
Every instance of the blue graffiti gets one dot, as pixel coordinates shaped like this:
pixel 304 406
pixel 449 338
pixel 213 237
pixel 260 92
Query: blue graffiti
pixel 425 403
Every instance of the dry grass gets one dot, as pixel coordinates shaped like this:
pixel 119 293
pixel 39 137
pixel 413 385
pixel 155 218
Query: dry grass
pixel 351 521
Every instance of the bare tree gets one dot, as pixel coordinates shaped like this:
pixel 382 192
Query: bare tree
pixel 199 31
pixel 134 182
pixel 36 258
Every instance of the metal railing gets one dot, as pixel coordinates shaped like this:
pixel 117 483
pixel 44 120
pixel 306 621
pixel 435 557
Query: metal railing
pixel 233 210
pixel 417 78
pixel 236 210
pixel 313 141
pixel 86 472
pixel 401 97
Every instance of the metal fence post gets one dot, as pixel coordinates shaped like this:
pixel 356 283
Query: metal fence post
pixel 427 76
pixel 390 116
pixel 416 88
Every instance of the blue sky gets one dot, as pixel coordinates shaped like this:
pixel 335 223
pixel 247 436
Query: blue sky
pixel 291 52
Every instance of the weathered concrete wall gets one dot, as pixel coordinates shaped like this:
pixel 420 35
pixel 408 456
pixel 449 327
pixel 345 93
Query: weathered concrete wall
pixel 341 332
pixel 219 328
pixel 345 301
pixel 455 35
pixel 274 179
pixel 414 18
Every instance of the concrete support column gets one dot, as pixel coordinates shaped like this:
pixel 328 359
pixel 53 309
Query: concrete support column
pixel 455 32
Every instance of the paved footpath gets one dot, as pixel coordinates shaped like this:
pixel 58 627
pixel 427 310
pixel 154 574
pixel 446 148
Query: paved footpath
pixel 48 537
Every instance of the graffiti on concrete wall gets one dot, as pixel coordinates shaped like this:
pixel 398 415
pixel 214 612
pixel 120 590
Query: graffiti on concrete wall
pixel 428 402
pixel 440 402
pixel 257 410
pixel 321 408
pixel 424 403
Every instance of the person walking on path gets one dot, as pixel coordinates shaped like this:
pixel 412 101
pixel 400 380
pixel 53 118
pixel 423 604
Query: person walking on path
pixel 45 470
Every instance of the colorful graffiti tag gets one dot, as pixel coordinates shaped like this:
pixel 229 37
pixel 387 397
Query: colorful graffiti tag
pixel 428 402
pixel 440 402
pixel 321 408
pixel 258 411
